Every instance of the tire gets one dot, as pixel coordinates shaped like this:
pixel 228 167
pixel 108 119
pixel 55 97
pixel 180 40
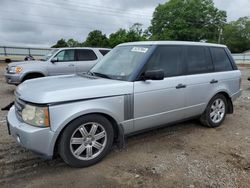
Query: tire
pixel 77 143
pixel 215 112
pixel 32 76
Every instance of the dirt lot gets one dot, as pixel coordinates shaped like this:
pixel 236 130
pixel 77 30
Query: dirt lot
pixel 184 155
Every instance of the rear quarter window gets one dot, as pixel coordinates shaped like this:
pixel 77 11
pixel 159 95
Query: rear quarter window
pixel 104 52
pixel 220 59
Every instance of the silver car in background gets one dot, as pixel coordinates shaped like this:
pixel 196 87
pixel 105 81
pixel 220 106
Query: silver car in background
pixel 58 62
pixel 136 87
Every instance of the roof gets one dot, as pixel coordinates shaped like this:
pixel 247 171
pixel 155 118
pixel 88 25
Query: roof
pixel 87 48
pixel 172 43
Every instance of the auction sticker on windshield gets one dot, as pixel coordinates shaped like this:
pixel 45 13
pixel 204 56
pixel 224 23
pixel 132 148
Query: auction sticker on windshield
pixel 139 49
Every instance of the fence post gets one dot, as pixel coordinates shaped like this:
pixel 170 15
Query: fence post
pixel 4 49
pixel 29 51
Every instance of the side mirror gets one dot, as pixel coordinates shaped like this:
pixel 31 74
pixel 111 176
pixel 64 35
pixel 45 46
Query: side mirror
pixel 154 75
pixel 54 59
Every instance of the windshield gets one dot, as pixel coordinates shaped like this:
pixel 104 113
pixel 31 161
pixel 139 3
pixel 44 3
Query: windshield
pixel 49 55
pixel 120 63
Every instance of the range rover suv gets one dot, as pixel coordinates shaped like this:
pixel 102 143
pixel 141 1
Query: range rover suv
pixel 58 62
pixel 135 87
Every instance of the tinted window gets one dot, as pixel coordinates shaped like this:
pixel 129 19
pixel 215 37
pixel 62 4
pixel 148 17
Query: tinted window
pixel 220 59
pixel 198 60
pixel 66 55
pixel 167 58
pixel 104 52
pixel 86 55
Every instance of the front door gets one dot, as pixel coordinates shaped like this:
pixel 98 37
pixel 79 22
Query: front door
pixel 64 65
pixel 162 101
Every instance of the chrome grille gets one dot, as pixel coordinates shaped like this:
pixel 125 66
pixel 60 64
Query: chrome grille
pixel 19 106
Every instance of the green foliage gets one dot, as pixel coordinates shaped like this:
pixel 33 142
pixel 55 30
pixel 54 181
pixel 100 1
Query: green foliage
pixel 73 43
pixel 118 37
pixel 96 39
pixel 135 33
pixel 60 44
pixel 188 20
pixel 236 35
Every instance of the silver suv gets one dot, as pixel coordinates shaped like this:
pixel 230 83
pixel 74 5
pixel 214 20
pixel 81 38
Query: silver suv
pixel 57 62
pixel 137 86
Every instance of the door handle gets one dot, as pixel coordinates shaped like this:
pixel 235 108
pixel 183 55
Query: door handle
pixel 214 81
pixel 180 86
pixel 71 65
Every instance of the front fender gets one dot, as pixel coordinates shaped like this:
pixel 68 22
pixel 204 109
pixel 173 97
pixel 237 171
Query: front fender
pixel 61 115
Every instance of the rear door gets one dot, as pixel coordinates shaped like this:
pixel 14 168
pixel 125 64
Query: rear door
pixel 200 79
pixel 158 102
pixel 65 64
pixel 225 71
pixel 86 59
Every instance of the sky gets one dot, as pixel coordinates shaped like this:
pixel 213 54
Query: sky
pixel 40 23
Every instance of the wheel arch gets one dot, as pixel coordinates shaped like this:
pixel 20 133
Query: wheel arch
pixel 118 130
pixel 230 108
pixel 39 73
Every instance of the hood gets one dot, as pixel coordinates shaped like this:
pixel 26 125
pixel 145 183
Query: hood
pixel 70 87
pixel 18 63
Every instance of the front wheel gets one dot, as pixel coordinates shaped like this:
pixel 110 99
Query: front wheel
pixel 215 112
pixel 86 141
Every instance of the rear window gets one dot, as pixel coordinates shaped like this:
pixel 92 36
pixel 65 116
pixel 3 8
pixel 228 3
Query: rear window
pixel 104 52
pixel 198 60
pixel 86 55
pixel 220 60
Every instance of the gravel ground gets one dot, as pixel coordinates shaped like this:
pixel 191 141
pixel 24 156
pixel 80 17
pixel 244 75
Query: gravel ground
pixel 183 155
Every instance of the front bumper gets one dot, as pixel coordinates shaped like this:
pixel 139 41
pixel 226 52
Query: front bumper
pixel 38 140
pixel 13 78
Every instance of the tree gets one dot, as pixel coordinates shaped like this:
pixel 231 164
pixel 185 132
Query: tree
pixel 236 35
pixel 73 43
pixel 118 37
pixel 96 39
pixel 190 20
pixel 60 44
pixel 135 33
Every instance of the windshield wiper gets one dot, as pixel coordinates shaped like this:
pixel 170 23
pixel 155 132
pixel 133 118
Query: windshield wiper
pixel 99 75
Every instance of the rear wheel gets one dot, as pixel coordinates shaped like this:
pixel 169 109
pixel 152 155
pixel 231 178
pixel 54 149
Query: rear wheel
pixel 215 112
pixel 86 141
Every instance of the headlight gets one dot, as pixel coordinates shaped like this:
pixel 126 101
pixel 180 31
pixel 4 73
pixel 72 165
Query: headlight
pixel 15 69
pixel 37 116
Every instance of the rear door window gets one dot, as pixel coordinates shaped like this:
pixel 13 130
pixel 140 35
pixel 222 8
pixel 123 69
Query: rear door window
pixel 220 60
pixel 86 55
pixel 198 60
